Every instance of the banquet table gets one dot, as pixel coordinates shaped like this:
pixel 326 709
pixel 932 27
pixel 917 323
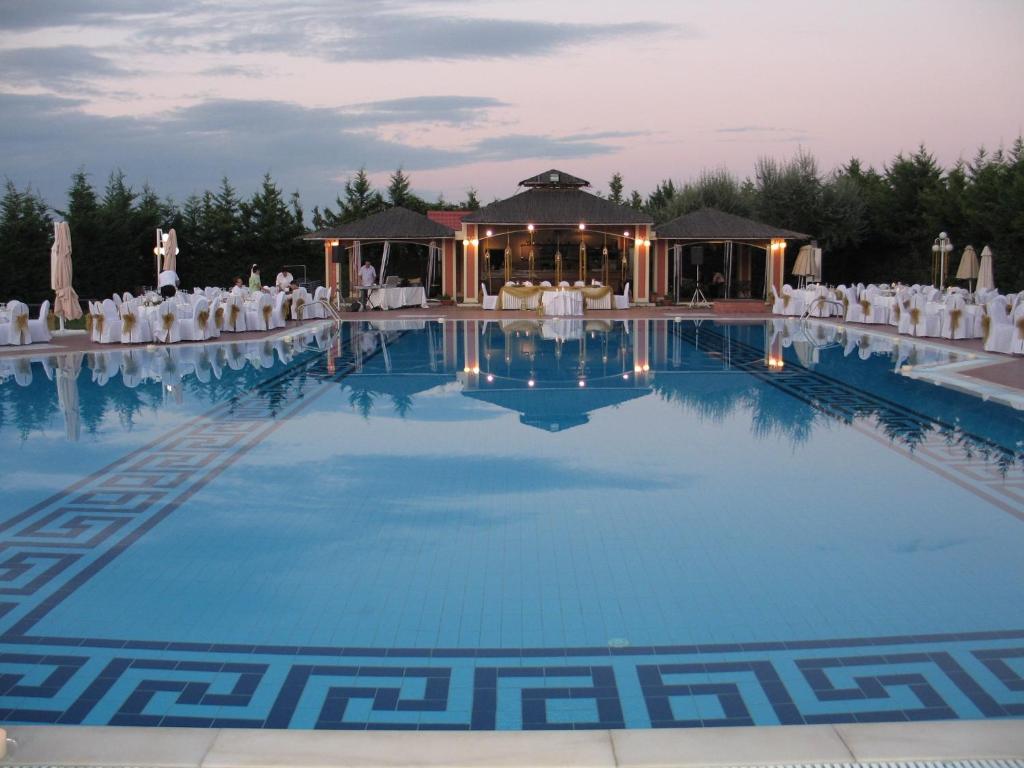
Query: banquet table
pixel 534 296
pixel 562 302
pixel 392 298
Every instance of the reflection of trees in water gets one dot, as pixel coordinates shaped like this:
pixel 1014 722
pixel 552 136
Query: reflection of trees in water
pixel 29 408
pixel 361 401
pixel 402 404
pixel 772 411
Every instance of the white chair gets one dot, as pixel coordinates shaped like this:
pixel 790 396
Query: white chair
pixel 923 321
pixel 489 302
pixel 563 284
pixel 134 328
pixel 545 283
pixel 116 298
pixel 857 308
pixel 579 283
pixel 621 301
pixel 18 332
pixel 792 303
pixel 997 326
pixel 216 318
pixel 777 306
pixel 258 313
pixel 315 310
pixel 39 329
pixel 278 318
pixel 954 320
pixel 110 332
pixel 300 304
pixel 194 328
pixel 167 328
pixel 236 317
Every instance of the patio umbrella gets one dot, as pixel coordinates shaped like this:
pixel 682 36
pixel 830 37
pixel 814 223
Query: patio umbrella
pixel 384 261
pixel 66 304
pixel 804 265
pixel 67 393
pixel 985 280
pixel 968 269
pixel 171 251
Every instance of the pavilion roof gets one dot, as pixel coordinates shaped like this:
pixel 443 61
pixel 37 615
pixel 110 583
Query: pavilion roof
pixel 712 224
pixel 569 207
pixel 392 224
pixel 554 178
pixel 559 408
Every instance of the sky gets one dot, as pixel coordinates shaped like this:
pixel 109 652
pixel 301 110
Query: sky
pixel 484 93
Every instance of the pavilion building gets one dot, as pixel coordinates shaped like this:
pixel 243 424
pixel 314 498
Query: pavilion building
pixel 555 230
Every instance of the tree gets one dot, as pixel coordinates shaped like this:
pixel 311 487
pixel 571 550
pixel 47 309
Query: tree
pixel 361 200
pixel 471 203
pixel 25 238
pixel 398 189
pixel 615 188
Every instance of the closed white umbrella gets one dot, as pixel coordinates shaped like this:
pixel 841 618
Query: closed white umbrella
pixel 66 304
pixel 804 265
pixel 171 251
pixel 986 282
pixel 968 269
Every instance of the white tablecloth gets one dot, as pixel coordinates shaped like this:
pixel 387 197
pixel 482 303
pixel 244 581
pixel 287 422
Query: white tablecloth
pixel 562 303
pixel 391 298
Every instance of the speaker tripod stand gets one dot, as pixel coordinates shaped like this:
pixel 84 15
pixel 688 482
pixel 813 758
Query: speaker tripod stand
pixel 699 299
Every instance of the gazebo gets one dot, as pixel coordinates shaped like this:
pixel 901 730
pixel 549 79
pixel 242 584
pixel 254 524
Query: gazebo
pixel 687 236
pixel 553 230
pixel 343 245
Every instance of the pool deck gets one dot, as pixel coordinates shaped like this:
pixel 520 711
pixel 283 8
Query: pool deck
pixel 819 745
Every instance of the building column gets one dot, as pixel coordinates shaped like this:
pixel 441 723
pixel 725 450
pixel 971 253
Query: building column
pixel 448 268
pixel 661 267
pixel 329 264
pixel 471 266
pixel 353 263
pixel 642 266
pixel 777 262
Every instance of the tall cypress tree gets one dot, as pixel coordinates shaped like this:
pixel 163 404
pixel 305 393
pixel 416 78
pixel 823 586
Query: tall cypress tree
pixel 26 233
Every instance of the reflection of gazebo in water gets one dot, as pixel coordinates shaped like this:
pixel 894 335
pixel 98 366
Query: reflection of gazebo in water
pixel 750 255
pixel 555 382
pixel 554 230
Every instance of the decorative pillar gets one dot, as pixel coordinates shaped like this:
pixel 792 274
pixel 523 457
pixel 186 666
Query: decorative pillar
pixel 448 268
pixel 353 263
pixel 777 263
pixel 661 267
pixel 471 266
pixel 642 266
pixel 329 270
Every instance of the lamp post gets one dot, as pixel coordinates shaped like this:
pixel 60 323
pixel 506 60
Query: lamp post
pixel 940 248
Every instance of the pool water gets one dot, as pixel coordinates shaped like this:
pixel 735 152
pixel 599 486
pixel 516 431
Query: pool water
pixel 508 525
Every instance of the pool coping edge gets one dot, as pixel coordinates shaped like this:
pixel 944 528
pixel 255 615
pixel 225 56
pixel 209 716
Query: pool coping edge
pixel 744 746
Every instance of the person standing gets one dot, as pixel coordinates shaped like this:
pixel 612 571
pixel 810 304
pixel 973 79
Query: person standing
pixel 254 279
pixel 284 280
pixel 167 283
pixel 367 274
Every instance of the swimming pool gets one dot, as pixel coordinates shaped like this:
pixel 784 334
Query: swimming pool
pixel 508 525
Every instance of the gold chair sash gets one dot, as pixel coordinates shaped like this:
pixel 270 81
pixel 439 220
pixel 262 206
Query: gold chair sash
pixel 128 321
pixel 300 305
pixel 286 308
pixel 266 317
pixel 954 319
pixel 168 322
pixel 218 317
pixel 865 306
pixel 986 325
pixel 202 319
pixel 233 316
pixel 21 327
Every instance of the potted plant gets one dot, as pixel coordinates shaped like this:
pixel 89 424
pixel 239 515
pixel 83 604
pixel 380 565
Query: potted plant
pixel 447 301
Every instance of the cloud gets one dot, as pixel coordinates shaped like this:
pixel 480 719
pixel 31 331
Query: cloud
pixel 452 110
pixel 57 66
pixel 521 146
pixel 32 14
pixel 189 149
